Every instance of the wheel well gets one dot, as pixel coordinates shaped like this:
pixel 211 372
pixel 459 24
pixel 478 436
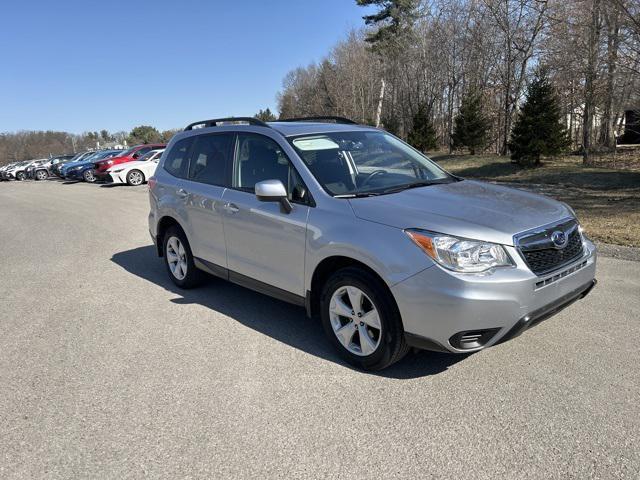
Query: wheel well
pixel 163 225
pixel 325 269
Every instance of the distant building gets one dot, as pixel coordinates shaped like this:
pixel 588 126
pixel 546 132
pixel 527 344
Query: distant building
pixel 111 145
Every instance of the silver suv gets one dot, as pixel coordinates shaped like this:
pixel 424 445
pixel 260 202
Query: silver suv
pixel 387 248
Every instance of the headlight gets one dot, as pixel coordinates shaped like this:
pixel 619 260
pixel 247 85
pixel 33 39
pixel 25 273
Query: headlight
pixel 460 254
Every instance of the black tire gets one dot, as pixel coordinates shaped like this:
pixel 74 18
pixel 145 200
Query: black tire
pixel 89 176
pixel 131 181
pixel 41 175
pixel 20 176
pixel 194 277
pixel 392 346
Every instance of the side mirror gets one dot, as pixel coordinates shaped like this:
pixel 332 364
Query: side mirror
pixel 273 191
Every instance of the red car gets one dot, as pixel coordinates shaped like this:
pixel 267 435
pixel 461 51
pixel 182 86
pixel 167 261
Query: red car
pixel 127 156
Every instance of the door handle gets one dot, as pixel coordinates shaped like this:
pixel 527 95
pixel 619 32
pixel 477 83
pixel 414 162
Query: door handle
pixel 182 193
pixel 231 208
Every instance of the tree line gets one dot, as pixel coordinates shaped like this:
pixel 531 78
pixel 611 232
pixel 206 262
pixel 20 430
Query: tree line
pixel 457 74
pixel 26 145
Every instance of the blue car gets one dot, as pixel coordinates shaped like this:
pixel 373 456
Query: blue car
pixel 83 170
pixel 61 169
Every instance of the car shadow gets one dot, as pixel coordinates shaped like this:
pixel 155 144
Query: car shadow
pixel 279 320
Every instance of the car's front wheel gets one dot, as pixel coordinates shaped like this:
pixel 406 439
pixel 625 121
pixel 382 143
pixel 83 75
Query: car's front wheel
pixel 361 319
pixel 179 260
pixel 135 177
pixel 20 176
pixel 89 176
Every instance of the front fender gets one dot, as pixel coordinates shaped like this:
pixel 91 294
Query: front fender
pixel 386 250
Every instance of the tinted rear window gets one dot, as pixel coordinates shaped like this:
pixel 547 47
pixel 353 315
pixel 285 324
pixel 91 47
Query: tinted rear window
pixel 210 158
pixel 177 161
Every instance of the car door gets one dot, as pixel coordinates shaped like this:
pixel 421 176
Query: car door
pixel 209 166
pixel 265 245
pixel 149 167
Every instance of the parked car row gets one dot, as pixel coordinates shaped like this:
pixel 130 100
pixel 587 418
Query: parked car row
pixel 133 166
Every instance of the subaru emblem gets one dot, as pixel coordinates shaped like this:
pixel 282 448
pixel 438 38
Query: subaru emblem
pixel 559 239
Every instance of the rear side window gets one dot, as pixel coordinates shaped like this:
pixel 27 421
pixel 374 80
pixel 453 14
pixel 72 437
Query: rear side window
pixel 177 162
pixel 210 158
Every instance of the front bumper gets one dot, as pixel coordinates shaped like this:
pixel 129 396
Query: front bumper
pixel 113 177
pixel 447 311
pixel 100 175
pixel 74 175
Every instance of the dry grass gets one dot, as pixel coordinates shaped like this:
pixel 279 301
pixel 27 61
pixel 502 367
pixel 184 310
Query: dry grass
pixel 606 200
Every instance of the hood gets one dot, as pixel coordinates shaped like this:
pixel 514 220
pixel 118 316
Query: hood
pixel 469 209
pixel 105 160
pixel 81 163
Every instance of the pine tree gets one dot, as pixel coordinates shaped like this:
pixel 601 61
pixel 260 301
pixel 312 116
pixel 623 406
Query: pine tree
pixel 422 135
pixel 265 115
pixel 471 126
pixel 539 130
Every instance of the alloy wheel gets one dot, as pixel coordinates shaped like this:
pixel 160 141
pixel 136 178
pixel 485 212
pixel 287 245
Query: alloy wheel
pixel 135 177
pixel 41 175
pixel 177 258
pixel 89 177
pixel 355 320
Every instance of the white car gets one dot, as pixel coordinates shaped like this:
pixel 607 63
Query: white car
pixel 19 170
pixel 137 172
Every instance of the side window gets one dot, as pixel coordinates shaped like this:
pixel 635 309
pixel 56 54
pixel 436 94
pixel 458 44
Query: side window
pixel 141 152
pixel 210 158
pixel 260 158
pixel 177 162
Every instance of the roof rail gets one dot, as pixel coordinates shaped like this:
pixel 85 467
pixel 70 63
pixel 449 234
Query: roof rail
pixel 215 121
pixel 320 118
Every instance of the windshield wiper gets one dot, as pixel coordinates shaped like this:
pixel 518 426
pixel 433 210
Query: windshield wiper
pixel 357 195
pixel 400 188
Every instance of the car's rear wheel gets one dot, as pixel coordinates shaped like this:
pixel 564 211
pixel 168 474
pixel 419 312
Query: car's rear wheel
pixel 135 177
pixel 361 319
pixel 41 175
pixel 20 176
pixel 179 260
pixel 89 176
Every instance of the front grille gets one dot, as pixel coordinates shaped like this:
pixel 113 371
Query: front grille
pixel 543 256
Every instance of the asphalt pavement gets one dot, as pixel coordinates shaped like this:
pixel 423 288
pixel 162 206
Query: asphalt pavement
pixel 108 371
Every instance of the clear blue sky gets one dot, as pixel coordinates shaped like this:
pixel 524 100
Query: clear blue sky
pixel 84 65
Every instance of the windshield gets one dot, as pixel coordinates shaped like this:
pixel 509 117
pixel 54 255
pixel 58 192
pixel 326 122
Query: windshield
pixel 366 162
pixel 103 154
pixel 126 153
pixel 148 156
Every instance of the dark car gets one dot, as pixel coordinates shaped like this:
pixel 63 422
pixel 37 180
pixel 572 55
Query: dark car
pixel 44 169
pixel 84 170
pixel 61 169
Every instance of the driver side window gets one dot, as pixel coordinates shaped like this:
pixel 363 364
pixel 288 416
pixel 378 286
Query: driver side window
pixel 259 158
